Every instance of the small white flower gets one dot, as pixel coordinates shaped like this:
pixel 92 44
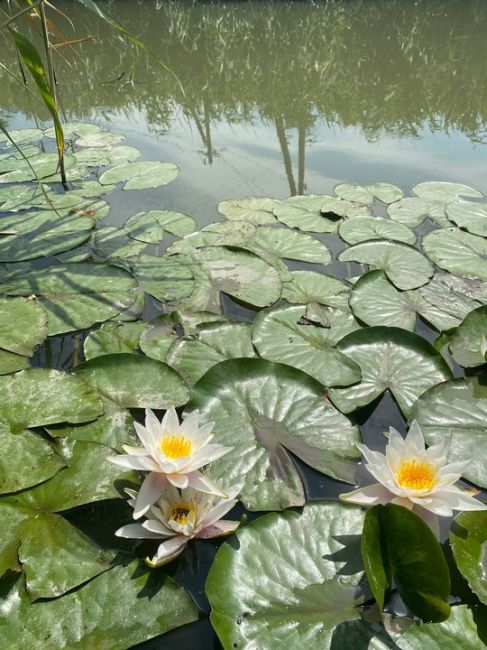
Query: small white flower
pixel 179 516
pixel 415 477
pixel 172 453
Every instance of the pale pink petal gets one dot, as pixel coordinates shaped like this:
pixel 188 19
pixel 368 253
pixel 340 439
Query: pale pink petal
pixel 370 495
pixel 223 527
pixel 168 549
pixel 404 502
pixel 202 483
pixel 149 492
pixel 135 531
pixel 219 511
pixel 178 480
pixel 144 437
pixel 133 462
pixel 157 527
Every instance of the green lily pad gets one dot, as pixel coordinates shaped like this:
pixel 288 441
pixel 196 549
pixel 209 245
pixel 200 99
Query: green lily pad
pixel 33 317
pixel 134 381
pixel 48 234
pixel 91 189
pixel 166 278
pixel 262 410
pixel 291 594
pixel 254 209
pixel 115 246
pixel 19 136
pixel 362 229
pixel 141 175
pixel 468 540
pixel 459 631
pixel 113 430
pixel 468 215
pixel 99 139
pixel 44 165
pixel 10 362
pixel 454 296
pixel 288 335
pixel 375 301
pixel 457 409
pixel 226 233
pixel 288 244
pixel 458 252
pixel 74 128
pixel 466 340
pixel 444 191
pixel 118 609
pixel 390 358
pixel 65 559
pixel 385 192
pixel 149 226
pixel 40 396
pixel 353 192
pixel 311 287
pixel 113 338
pixel 75 296
pixel 404 265
pixel 413 211
pixel 312 213
pixel 192 356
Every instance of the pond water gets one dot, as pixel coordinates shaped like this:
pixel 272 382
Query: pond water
pixel 274 99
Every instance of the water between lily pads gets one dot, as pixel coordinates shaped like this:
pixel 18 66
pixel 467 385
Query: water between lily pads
pixel 279 98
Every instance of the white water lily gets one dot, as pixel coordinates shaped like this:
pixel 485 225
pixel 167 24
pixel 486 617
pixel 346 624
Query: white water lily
pixel 172 453
pixel 179 516
pixel 415 477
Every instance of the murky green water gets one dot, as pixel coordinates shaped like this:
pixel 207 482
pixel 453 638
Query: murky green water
pixel 281 97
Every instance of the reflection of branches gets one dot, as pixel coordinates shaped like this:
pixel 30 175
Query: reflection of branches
pixel 385 66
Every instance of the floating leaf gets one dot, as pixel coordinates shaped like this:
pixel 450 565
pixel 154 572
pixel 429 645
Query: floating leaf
pixel 404 265
pixel 468 215
pixel 443 191
pixel 287 335
pixel 362 229
pixel 454 296
pixel 166 278
pixel 134 381
pixel 40 396
pixel 118 609
pixel 413 211
pixel 466 340
pixel 390 358
pixel 457 410
pixel 316 213
pixel 352 192
pixel 75 296
pixel 19 136
pixel 193 356
pixel 44 165
pixel 141 175
pixel 261 410
pixel 255 209
pixel 10 362
pixel 468 540
pixel 99 139
pixel 33 317
pixel 309 287
pixel 291 591
pixel 375 301
pixel 385 192
pixel 74 128
pixel 288 244
pixel 458 252
pixel 112 430
pixel 113 338
pixel 149 226
pixel 114 245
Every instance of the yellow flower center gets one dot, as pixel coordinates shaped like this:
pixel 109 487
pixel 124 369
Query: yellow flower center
pixel 416 475
pixel 176 446
pixel 181 512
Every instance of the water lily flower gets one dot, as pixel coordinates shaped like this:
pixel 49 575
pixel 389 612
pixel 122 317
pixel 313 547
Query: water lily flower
pixel 172 453
pixel 179 516
pixel 415 477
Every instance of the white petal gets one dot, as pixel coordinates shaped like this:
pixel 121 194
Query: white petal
pixel 133 462
pixel 157 528
pixel 170 421
pixel 438 505
pixel 403 501
pixel 169 549
pixel 144 437
pixel 149 492
pixel 460 499
pixel 135 531
pixel 456 468
pixel 371 456
pixel 440 449
pixel 178 480
pixel 135 451
pixel 202 483
pixel 223 527
pixel 430 518
pixel 414 439
pixel 217 512
pixel 370 495
pixel 153 426
pixel 206 455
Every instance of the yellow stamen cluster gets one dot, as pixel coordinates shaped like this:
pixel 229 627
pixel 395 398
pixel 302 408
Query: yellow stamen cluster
pixel 176 446
pixel 181 512
pixel 416 475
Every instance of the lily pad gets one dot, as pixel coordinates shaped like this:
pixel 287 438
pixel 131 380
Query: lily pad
pixel 360 229
pixel 166 278
pixel 468 540
pixel 353 192
pixel 316 213
pixel 134 381
pixel 468 215
pixel 413 211
pixel 74 128
pixel 375 301
pixel 287 335
pixel 75 296
pixel 454 296
pixel 390 358
pixel 10 362
pixel 404 265
pixel 19 136
pixel 113 430
pixel 44 165
pixel 192 356
pixel 115 246
pixel 290 597
pixel 457 410
pixel 385 192
pixel 118 609
pixel 444 191
pixel 254 209
pixel 263 410
pixel 40 396
pixel 310 287
pixel 33 318
pixel 141 175
pixel 99 139
pixel 149 226
pixel 458 252
pixel 466 341
pixel 113 338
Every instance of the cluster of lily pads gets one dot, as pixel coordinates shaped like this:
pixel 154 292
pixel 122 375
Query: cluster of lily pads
pixel 328 323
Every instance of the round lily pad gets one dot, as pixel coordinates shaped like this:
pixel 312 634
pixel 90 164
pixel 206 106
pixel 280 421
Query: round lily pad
pixel 352 192
pixel 22 340
pixel 469 215
pixel 141 175
pixel 254 209
pixel 113 338
pixel 149 226
pixel 412 211
pixel 466 342
pixel 443 191
pixel 468 540
pixel 44 165
pixel 309 287
pixel 360 229
pixel 458 252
